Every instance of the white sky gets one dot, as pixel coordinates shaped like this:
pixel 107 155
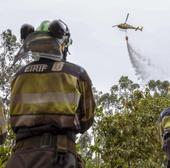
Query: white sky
pixel 99 48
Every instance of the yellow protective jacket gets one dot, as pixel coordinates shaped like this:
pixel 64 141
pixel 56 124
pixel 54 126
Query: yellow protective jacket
pixel 3 129
pixel 51 93
pixel 164 125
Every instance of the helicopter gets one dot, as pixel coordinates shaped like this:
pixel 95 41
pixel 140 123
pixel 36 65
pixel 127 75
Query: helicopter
pixel 126 26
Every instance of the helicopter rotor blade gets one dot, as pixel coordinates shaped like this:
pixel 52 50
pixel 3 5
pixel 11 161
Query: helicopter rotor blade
pixel 114 25
pixel 126 17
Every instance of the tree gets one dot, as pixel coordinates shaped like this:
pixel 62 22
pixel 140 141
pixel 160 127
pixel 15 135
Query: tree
pixel 9 46
pixel 128 137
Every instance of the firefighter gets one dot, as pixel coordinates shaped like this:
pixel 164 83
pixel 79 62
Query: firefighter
pixel 164 122
pixel 51 102
pixel 3 129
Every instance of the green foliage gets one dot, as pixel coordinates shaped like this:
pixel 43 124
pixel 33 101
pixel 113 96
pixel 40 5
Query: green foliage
pixel 126 126
pixel 8 48
pixel 6 148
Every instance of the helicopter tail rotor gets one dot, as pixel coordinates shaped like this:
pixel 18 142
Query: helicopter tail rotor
pixel 139 28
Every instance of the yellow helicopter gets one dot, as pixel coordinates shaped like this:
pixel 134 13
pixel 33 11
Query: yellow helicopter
pixel 126 26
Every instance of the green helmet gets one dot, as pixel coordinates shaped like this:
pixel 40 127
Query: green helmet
pixel 43 26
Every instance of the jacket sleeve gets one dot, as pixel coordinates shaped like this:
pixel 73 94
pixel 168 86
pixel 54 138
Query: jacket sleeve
pixel 164 125
pixel 3 130
pixel 87 104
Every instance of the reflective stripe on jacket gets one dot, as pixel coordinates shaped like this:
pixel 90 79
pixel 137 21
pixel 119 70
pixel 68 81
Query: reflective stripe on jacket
pixel 45 93
pixel 52 90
